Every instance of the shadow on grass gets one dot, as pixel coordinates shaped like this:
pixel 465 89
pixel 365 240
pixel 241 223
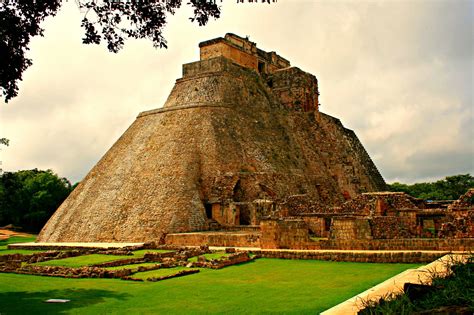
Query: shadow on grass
pixel 34 302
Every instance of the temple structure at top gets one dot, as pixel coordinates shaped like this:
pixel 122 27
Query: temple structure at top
pixel 295 88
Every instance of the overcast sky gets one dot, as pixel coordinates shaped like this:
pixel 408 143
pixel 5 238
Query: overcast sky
pixel 399 73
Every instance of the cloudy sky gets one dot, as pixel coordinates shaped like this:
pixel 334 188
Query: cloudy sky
pixel 399 73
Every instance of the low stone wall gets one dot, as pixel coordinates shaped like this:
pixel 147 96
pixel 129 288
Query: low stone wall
pixel 284 233
pixel 67 272
pixel 466 244
pixel 13 263
pixel 230 260
pixel 250 239
pixel 148 257
pixel 43 256
pixel 178 274
pixel 66 246
pixel 318 226
pixel 350 228
pixel 369 257
pixel 244 228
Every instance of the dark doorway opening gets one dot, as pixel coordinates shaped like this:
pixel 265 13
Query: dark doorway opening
pixel 270 83
pixel 208 207
pixel 327 224
pixel 244 215
pixel 261 67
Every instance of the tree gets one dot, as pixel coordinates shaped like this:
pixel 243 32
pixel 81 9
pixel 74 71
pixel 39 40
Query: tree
pixel 112 21
pixel 4 141
pixel 19 21
pixel 449 188
pixel 28 198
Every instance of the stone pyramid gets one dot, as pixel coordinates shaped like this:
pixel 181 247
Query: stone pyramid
pixel 239 134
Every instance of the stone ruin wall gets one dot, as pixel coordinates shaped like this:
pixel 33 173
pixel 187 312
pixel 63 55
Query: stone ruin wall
pixel 296 89
pixel 400 216
pixel 347 228
pixel 218 48
pixel 390 227
pixel 284 234
pixel 242 52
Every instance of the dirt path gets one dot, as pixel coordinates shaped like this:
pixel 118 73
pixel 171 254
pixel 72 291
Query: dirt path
pixel 4 234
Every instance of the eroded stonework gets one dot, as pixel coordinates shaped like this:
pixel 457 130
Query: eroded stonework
pixel 239 137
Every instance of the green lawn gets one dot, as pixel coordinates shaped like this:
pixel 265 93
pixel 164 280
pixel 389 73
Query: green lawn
pixel 85 260
pixel 93 259
pixel 18 251
pixel 16 239
pixel 261 286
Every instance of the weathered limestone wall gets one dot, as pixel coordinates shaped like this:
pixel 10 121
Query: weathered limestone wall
pixel 391 227
pixel 318 226
pixel 242 52
pixel 273 61
pixel 348 228
pixel 465 202
pixel 226 214
pixel 465 244
pixel 230 239
pixel 348 161
pixel 369 257
pixel 295 89
pixel 284 234
pixel 222 49
pixel 382 203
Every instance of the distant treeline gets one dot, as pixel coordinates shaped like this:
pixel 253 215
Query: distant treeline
pixel 28 198
pixel 449 188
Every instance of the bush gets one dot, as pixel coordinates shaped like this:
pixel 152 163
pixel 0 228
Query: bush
pixel 28 198
pixel 455 290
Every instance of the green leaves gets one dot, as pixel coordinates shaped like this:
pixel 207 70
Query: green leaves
pixel 28 198
pixel 109 21
pixel 4 141
pixel 19 22
pixel 449 188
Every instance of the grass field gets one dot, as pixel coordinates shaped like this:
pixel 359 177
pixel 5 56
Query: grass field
pixel 92 259
pixel 16 239
pixel 261 286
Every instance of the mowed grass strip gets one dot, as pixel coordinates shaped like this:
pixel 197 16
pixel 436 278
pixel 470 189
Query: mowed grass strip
pixel 80 261
pixel 92 259
pixel 261 286
pixel 13 240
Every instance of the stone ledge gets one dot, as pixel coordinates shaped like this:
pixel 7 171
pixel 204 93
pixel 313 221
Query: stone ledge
pixel 71 245
pixel 247 239
pixel 189 106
